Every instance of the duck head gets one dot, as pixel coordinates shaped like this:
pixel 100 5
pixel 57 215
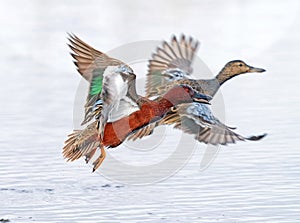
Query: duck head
pixel 236 67
pixel 185 94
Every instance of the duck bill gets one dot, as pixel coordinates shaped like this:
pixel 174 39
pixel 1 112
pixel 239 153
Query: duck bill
pixel 202 98
pixel 256 70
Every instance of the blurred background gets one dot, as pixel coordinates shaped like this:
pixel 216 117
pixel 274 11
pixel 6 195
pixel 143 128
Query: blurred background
pixel 247 182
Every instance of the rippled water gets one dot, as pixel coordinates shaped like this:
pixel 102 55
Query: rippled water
pixel 247 182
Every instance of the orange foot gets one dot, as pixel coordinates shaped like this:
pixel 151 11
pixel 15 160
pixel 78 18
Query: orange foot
pixel 100 159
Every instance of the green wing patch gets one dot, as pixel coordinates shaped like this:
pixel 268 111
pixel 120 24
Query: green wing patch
pixel 96 84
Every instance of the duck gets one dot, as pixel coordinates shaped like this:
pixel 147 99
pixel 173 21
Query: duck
pixel 114 105
pixel 85 142
pixel 171 64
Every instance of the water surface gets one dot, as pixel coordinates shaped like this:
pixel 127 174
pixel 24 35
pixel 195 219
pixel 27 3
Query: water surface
pixel 247 182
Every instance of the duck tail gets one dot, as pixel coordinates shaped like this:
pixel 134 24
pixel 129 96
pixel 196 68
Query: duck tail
pixel 256 137
pixel 82 143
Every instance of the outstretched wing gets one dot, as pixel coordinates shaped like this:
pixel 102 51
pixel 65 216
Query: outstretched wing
pixel 172 61
pixel 111 95
pixel 91 64
pixel 197 119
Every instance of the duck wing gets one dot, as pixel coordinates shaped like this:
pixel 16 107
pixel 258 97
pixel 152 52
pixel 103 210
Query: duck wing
pixel 91 64
pixel 171 61
pixel 112 88
pixel 197 119
pixel 142 132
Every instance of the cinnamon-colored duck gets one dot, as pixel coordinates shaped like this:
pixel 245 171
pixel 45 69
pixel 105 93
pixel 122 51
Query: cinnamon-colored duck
pixel 114 103
pixel 85 142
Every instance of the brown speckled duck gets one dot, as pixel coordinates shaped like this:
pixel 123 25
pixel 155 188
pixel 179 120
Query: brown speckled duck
pixel 170 65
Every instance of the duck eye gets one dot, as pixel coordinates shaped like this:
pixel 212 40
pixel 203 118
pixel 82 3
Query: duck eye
pixel 240 64
pixel 187 90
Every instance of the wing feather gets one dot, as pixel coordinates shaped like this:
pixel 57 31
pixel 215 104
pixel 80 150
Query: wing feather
pixel 91 64
pixel 198 120
pixel 171 61
pixel 145 131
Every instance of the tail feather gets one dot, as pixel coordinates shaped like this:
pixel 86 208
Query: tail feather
pixel 81 143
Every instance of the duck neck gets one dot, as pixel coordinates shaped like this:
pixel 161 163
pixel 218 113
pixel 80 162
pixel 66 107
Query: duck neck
pixel 164 105
pixel 174 96
pixel 223 76
pixel 211 86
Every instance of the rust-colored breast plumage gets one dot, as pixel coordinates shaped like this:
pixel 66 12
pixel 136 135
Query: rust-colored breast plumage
pixel 116 132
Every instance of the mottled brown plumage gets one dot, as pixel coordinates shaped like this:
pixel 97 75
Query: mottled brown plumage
pixel 171 65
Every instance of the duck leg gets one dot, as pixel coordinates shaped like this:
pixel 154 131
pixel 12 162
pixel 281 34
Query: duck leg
pixel 100 159
pixel 89 155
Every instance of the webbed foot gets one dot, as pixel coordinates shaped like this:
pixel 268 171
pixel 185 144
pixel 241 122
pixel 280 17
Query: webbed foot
pixel 100 159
